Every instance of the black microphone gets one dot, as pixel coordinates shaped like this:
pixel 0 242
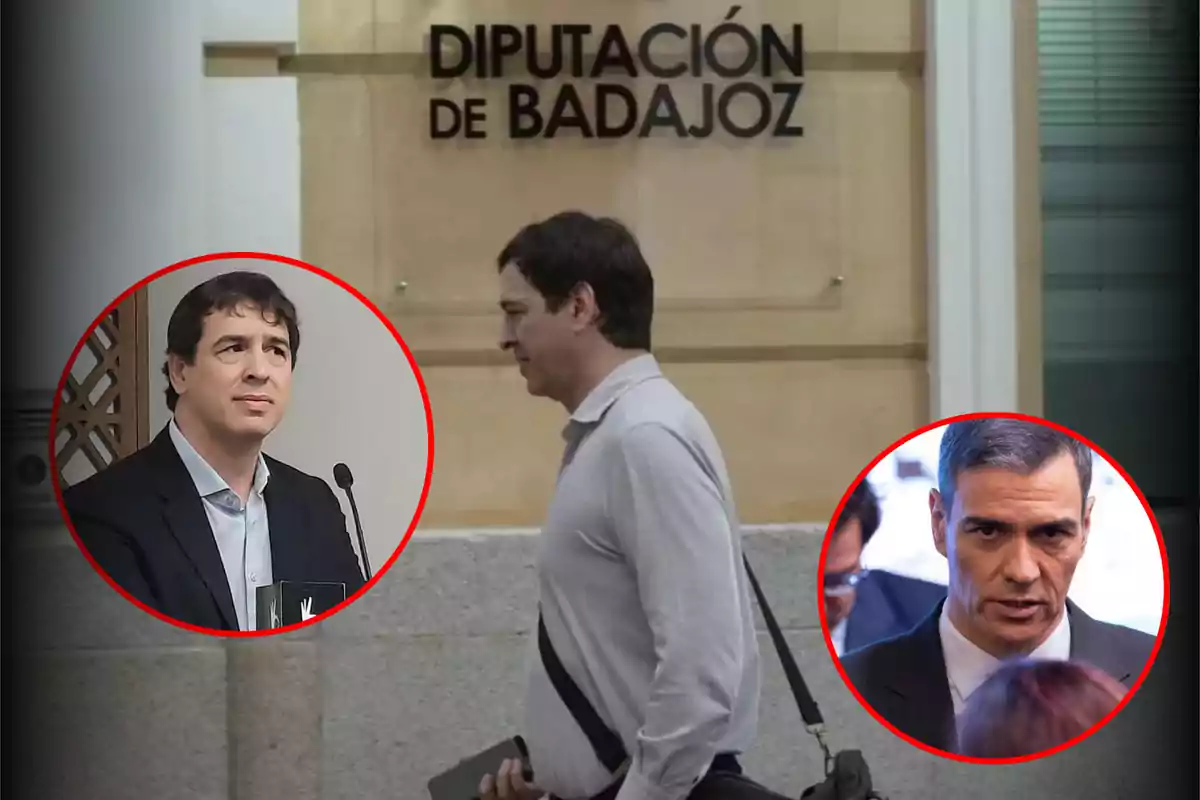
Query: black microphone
pixel 344 480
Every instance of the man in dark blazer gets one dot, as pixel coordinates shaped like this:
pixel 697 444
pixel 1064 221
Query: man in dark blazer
pixel 904 679
pixel 1011 514
pixel 860 606
pixel 192 523
pixel 888 604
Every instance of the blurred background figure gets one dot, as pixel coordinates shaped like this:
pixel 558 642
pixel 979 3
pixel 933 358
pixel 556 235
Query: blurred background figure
pixel 864 606
pixel 1029 706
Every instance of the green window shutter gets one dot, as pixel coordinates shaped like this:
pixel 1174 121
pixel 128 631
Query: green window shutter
pixel 1117 122
pixel 1115 68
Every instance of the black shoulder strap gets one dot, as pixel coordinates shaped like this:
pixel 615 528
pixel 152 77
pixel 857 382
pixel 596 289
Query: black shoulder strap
pixel 809 711
pixel 607 744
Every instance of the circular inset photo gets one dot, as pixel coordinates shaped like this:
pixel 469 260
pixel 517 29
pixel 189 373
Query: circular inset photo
pixel 993 588
pixel 241 444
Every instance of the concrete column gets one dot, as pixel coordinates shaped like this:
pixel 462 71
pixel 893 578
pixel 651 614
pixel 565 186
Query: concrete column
pixel 274 717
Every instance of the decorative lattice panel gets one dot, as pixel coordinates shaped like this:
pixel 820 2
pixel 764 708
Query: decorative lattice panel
pixel 103 416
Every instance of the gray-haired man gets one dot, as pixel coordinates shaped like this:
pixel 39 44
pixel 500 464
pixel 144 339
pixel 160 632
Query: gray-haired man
pixel 1012 516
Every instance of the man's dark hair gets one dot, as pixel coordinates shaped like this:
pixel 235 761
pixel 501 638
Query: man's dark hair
pixel 862 505
pixel 571 248
pixel 223 293
pixel 1005 443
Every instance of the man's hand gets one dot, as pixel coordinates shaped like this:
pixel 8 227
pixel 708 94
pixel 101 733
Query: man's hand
pixel 509 784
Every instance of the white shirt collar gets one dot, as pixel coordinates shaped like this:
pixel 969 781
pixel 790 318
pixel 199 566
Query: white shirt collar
pixel 838 636
pixel 207 481
pixel 968 666
pixel 616 383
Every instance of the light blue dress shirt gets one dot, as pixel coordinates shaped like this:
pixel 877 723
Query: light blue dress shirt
pixel 240 529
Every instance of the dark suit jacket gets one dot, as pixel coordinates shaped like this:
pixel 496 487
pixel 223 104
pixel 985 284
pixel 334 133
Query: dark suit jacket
pixel 904 678
pixel 887 605
pixel 144 523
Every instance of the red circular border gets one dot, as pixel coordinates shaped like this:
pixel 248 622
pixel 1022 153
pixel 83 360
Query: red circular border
pixel 1162 626
pixel 62 381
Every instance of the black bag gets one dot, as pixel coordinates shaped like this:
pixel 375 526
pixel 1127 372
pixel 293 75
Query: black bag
pixel 847 776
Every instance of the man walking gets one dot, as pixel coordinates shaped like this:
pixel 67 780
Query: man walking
pixel 643 596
